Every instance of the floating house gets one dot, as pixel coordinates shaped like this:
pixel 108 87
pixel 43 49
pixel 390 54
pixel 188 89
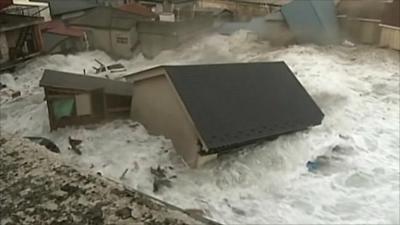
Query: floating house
pixel 111 30
pixel 207 110
pixel 74 99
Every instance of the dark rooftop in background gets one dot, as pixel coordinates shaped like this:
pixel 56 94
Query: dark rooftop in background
pixel 235 104
pixel 58 79
pixel 60 7
pixel 107 18
pixel 11 22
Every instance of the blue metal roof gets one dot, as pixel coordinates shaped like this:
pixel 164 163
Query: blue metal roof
pixel 312 21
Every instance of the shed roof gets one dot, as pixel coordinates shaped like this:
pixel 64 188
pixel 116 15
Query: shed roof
pixel 107 18
pixel 58 79
pixel 236 104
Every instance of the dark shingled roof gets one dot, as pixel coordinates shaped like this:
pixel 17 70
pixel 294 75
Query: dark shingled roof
pixel 236 104
pixel 107 18
pixel 12 22
pixel 60 7
pixel 58 79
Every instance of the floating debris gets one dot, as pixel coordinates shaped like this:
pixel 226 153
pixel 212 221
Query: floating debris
pixel 74 145
pixel 160 178
pixel 45 142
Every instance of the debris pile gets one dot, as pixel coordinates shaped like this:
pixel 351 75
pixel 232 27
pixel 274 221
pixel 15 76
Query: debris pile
pixel 52 193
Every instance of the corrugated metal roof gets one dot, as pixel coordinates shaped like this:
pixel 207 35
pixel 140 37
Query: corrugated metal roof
pixel 58 79
pixel 312 21
pixel 236 104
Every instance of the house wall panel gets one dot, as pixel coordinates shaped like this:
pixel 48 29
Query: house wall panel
pixel 107 40
pixel 83 104
pixel 361 30
pixel 123 50
pixel 158 108
pixel 390 37
pixel 12 37
pixel 4 56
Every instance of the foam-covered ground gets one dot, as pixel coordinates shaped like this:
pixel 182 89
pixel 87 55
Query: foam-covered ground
pixel 357 89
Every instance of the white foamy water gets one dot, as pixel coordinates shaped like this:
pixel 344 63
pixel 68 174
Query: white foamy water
pixel 268 183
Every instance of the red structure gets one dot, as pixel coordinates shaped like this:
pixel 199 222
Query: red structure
pixel 5 3
pixel 58 27
pixel 138 9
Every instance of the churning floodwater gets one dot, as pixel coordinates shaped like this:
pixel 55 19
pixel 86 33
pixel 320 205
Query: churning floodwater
pixel 266 183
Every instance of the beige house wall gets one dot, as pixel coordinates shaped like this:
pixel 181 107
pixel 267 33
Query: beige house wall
pixel 98 38
pixel 106 40
pixel 390 37
pixel 83 104
pixel 361 30
pixel 158 108
pixel 124 49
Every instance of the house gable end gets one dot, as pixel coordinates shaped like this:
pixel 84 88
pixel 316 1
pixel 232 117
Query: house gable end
pixel 156 105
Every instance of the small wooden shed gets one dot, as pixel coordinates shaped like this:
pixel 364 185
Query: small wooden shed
pixel 210 109
pixel 74 99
